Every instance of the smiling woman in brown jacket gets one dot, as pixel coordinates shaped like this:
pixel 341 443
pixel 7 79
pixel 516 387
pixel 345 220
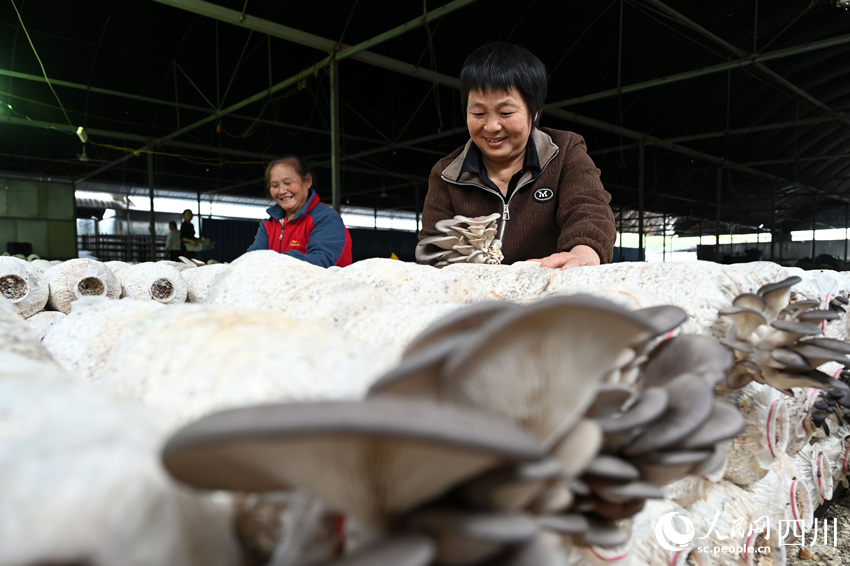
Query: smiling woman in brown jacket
pixel 553 205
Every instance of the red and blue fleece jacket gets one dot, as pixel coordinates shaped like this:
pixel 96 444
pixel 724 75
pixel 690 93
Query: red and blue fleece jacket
pixel 315 234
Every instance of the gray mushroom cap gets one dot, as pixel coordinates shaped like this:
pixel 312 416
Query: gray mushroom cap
pixel 418 375
pixel 817 316
pixel 725 422
pixel 615 511
pixel 401 550
pixel 745 320
pixel 738 345
pixel 610 399
pixel 651 402
pixel 665 317
pixel 457 322
pixel 610 467
pixel 512 488
pixel 829 343
pixel 517 367
pixel 603 533
pixel 490 526
pixel 537 552
pixel 792 360
pixel 785 381
pixel 750 301
pixel 470 537
pixel 691 402
pixel 373 459
pixel 662 468
pixel 563 523
pixel 787 331
pixel 777 295
pixel 689 353
pixel 795 309
pixel 577 448
pixel 624 492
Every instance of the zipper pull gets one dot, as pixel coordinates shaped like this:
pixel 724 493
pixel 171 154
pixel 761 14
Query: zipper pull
pixel 506 215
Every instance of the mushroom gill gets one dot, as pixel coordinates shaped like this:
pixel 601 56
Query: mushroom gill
pixel 375 459
pixel 463 240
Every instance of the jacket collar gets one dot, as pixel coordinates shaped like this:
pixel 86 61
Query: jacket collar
pixel 276 212
pixel 544 147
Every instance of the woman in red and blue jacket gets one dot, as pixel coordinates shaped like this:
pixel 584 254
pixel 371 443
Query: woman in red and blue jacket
pixel 299 224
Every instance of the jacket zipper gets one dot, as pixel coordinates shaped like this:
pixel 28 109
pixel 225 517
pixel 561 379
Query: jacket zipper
pixel 280 240
pixel 506 211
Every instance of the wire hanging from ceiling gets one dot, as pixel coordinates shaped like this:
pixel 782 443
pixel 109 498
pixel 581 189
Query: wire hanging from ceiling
pixel 40 64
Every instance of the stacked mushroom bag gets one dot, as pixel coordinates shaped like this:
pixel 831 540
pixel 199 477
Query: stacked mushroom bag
pixel 188 360
pixel 23 285
pixel 16 336
pixel 267 280
pixel 77 278
pixel 700 288
pixel 42 321
pixel 80 480
pixel 153 281
pixel 533 466
pixel 199 279
pixel 82 340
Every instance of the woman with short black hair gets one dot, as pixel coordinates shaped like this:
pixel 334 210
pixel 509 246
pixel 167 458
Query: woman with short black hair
pixel 554 208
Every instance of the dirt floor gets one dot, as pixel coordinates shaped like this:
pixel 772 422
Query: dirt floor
pixel 836 551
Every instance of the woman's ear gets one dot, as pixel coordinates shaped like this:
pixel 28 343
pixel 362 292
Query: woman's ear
pixel 309 180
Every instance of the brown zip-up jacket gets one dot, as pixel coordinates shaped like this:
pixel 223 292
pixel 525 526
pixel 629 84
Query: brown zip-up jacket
pixel 562 207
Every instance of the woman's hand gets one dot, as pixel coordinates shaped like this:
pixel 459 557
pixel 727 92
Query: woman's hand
pixel 577 257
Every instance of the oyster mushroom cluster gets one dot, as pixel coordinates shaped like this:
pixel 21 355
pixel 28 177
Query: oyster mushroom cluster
pixel 779 342
pixel 831 405
pixel 463 240
pixel 497 434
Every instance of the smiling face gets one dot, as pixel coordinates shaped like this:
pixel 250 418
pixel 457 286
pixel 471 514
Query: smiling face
pixel 288 188
pixel 499 124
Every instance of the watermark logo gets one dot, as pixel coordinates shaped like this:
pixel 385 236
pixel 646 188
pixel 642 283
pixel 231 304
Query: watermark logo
pixel 745 537
pixel 670 538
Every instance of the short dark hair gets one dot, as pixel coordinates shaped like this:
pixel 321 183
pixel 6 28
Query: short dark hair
pixel 501 66
pixel 293 161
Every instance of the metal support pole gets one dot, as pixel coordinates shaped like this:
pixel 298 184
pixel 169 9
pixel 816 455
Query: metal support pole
pixel 153 214
pixel 845 233
pixel 620 231
pixel 664 238
pixel 773 224
pixel 717 215
pixel 814 224
pixel 335 153
pixel 641 195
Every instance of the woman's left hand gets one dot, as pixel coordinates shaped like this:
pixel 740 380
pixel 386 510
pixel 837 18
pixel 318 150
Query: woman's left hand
pixel 577 257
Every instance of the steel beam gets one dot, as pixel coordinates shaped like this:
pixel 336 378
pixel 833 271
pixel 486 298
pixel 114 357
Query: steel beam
pixel 287 33
pixel 344 53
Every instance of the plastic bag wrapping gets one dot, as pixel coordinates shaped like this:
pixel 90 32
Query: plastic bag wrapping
pixel 199 279
pixel 77 278
pixel 764 438
pixel 23 285
pixel 153 281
